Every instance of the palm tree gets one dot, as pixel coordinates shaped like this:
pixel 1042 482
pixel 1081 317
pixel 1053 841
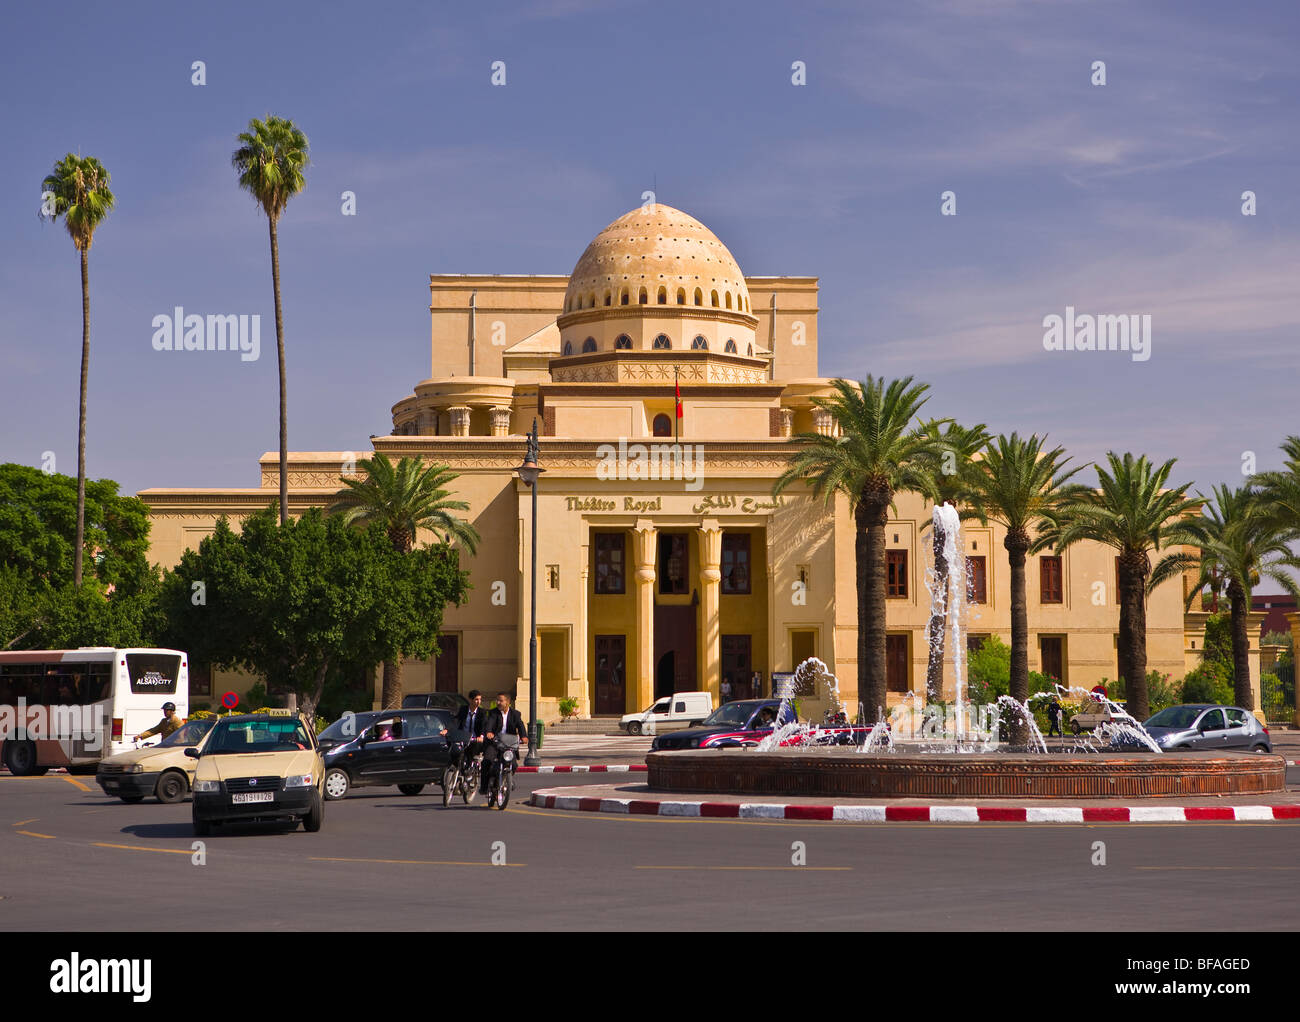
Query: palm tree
pixel 1134 513
pixel 402 499
pixel 79 185
pixel 1020 486
pixel 948 485
pixel 875 450
pixel 1280 490
pixel 270 161
pixel 1241 543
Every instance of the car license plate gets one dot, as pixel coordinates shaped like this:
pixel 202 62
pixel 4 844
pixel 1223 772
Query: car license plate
pixel 253 796
pixel 110 785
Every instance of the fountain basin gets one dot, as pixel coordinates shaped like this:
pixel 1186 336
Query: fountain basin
pixel 831 772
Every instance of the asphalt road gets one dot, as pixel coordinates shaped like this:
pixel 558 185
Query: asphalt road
pixel 74 859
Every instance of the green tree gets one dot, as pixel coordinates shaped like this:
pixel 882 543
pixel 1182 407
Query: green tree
pixel 875 450
pixel 1020 485
pixel 270 161
pixel 81 196
pixel 1280 490
pixel 1242 541
pixel 947 484
pixel 988 671
pixel 401 499
pixel 309 601
pixel 1137 515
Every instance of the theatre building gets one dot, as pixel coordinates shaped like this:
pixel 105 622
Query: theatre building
pixel 664 561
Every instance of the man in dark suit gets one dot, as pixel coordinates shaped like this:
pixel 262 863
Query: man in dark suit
pixel 472 719
pixel 502 720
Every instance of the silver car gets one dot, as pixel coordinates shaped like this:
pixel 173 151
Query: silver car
pixel 1204 728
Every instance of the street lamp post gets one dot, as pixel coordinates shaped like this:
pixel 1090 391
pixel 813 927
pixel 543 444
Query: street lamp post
pixel 530 472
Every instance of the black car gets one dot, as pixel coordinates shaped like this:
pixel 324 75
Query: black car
pixel 434 701
pixel 408 747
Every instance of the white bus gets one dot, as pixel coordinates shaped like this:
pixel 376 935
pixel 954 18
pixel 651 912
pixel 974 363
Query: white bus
pixel 73 707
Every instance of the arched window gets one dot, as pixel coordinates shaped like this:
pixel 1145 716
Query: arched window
pixel 623 298
pixel 662 343
pixel 681 296
pixel 751 351
pixel 568 347
pixel 623 343
pixel 608 298
pixel 589 345
pixel 700 343
pixel 643 298
pixel 728 300
pixel 699 297
pixel 663 426
pixel 591 300
pixel 663 295
pixel 730 349
pixel 715 299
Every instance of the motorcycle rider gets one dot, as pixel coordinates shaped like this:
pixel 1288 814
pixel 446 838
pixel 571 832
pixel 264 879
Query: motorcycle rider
pixel 170 722
pixel 472 718
pixel 502 720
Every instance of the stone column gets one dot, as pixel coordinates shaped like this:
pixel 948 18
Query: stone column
pixel 459 420
pixel 787 422
pixel 823 423
pixel 500 420
pixel 644 547
pixel 710 606
pixel 581 687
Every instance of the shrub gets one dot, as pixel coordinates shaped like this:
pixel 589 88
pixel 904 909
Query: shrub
pixel 988 673
pixel 568 706
pixel 1211 682
pixel 1161 692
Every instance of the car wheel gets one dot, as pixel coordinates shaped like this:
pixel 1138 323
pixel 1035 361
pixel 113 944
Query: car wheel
pixel 172 787
pixel 634 727
pixel 20 758
pixel 312 821
pixel 337 783
pixel 1260 748
pixel 410 789
pixel 202 828
pixel 131 799
pixel 1075 727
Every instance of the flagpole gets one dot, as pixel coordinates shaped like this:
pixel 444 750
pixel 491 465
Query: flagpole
pixel 677 405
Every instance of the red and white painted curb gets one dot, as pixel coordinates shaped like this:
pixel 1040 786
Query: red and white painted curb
pixel 593 768
pixel 919 814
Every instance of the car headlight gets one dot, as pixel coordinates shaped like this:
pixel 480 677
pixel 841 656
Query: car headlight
pixel 135 768
pixel 695 742
pixel 207 785
pixel 298 781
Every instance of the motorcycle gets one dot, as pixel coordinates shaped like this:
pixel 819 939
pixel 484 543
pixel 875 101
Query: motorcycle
pixel 501 770
pixel 463 774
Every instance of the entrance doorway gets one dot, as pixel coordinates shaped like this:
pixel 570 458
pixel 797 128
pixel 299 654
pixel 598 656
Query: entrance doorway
pixel 737 666
pixel 446 669
pixel 611 675
pixel 674 649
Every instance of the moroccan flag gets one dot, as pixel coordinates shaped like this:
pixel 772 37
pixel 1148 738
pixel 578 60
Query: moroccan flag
pixel 678 387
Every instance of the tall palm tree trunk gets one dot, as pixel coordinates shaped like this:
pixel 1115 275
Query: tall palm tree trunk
pixel 279 348
pixel 1133 634
pixel 1243 695
pixel 871 607
pixel 938 621
pixel 1017 547
pixel 392 696
pixel 81 420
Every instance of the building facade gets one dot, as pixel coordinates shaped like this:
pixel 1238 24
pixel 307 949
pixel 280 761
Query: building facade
pixel 665 562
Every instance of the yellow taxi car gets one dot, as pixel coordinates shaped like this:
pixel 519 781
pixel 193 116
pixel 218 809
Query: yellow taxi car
pixel 259 766
pixel 162 770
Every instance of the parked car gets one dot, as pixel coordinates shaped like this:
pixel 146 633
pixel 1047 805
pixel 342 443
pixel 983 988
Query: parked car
pixel 680 707
pixel 1098 713
pixel 745 723
pixel 1206 727
pixel 409 748
pixel 162 770
pixel 434 701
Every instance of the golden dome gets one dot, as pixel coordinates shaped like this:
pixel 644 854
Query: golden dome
pixel 657 255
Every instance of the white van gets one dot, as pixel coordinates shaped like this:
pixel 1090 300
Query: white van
pixel 688 708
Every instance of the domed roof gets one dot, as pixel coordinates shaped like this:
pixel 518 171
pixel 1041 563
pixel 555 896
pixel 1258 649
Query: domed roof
pixel 657 246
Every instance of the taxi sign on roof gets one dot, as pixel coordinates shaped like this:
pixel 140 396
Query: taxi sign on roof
pixel 279 713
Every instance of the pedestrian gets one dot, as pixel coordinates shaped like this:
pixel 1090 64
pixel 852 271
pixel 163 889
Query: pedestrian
pixel 1054 718
pixel 726 690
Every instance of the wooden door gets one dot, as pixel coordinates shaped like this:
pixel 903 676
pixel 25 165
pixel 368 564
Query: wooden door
pixel 896 663
pixel 611 675
pixel 446 669
pixel 737 666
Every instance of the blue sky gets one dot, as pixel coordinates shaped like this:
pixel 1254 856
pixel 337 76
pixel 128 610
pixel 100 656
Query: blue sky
pixel 1123 198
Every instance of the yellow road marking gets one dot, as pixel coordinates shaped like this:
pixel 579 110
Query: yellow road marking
pixel 412 862
pixel 21 822
pixel 142 848
pixel 32 833
pixel 1231 869
pixel 72 780
pixel 789 869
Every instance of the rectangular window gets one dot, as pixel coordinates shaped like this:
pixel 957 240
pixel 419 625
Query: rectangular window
pixel 1051 649
pixel 896 574
pixel 977 580
pixel 673 564
pixel 974 642
pixel 1049 580
pixel 609 563
pixel 735 563
pixel 896 673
